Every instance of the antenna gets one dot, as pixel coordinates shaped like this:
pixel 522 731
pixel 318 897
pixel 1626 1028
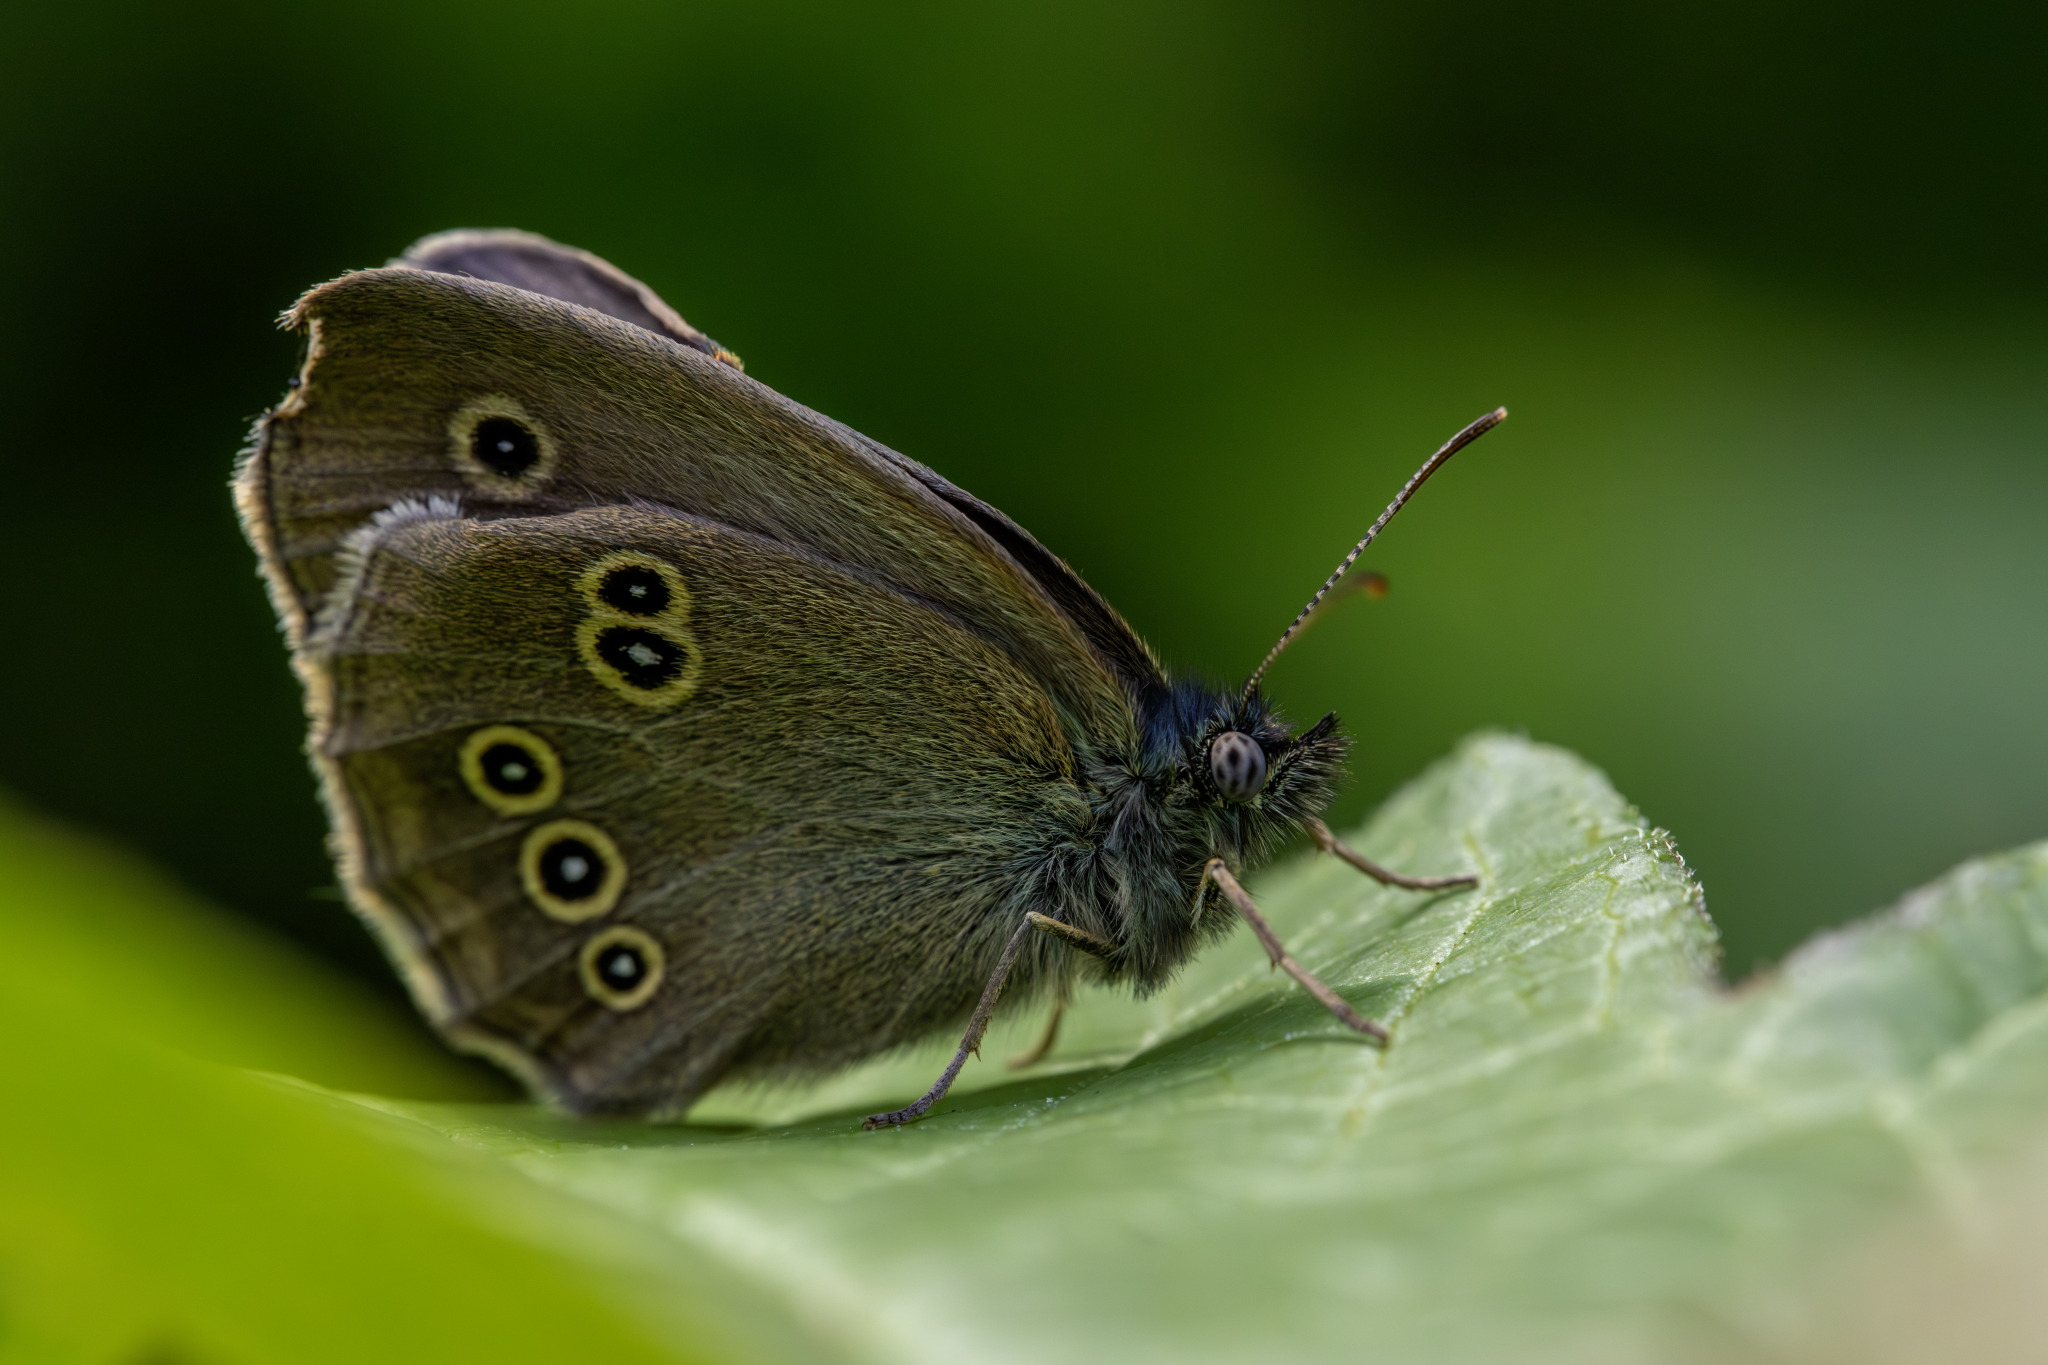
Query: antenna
pixel 1435 462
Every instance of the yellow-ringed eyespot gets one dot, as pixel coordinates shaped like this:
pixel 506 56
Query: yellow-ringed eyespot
pixel 621 967
pixel 635 586
pixel 572 870
pixel 499 444
pixel 513 771
pixel 653 664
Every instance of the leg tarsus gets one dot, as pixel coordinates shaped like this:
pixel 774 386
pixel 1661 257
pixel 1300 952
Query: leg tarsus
pixel 1310 982
pixel 971 1043
pixel 978 1025
pixel 1330 843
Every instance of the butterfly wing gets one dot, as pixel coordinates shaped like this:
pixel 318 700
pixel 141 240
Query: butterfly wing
pixel 531 262
pixel 857 741
pixel 537 265
pixel 410 373
pixel 639 798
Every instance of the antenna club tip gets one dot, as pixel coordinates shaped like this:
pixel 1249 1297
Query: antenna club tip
pixel 1500 414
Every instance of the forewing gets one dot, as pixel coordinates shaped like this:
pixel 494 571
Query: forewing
pixel 403 365
pixel 818 815
pixel 531 262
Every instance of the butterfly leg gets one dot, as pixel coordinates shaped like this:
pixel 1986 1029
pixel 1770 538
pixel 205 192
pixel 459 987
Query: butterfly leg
pixel 1046 1039
pixel 1069 935
pixel 1078 938
pixel 971 1043
pixel 1330 843
pixel 978 1025
pixel 1336 1004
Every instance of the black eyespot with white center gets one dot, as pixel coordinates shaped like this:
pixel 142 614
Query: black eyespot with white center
pixel 635 636
pixel 572 870
pixel 513 771
pixel 636 590
pixel 499 447
pixel 622 967
pixel 642 658
pixel 1237 765
pixel 505 445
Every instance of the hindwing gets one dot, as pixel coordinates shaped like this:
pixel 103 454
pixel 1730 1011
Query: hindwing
pixel 805 804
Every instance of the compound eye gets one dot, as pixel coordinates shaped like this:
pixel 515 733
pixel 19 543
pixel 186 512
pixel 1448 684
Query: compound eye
pixel 1237 765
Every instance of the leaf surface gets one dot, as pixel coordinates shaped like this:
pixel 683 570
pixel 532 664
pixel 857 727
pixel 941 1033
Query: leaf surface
pixel 1578 1146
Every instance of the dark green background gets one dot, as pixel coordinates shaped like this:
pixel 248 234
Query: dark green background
pixel 1188 290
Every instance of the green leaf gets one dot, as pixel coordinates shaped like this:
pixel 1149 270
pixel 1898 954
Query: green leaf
pixel 155 1208
pixel 89 931
pixel 1577 1147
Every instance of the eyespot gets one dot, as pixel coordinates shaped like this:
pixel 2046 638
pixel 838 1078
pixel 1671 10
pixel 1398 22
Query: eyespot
pixel 513 771
pixel 644 659
pixel 628 583
pixel 506 445
pixel 656 664
pixel 637 639
pixel 635 589
pixel 1237 765
pixel 622 967
pixel 500 445
pixel 572 870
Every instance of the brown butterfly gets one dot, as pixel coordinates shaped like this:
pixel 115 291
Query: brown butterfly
pixel 672 732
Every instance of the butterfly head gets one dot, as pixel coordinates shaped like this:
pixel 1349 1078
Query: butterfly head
pixel 1261 779
pixel 1250 775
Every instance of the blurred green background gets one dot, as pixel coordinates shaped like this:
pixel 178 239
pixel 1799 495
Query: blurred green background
pixel 1188 289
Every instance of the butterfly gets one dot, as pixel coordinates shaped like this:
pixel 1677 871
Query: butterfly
pixel 671 732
